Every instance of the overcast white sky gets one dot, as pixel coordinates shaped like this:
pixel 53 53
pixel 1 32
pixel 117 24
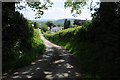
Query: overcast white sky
pixel 57 11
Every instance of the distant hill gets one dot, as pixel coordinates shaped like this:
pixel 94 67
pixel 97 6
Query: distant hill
pixel 59 21
pixel 41 21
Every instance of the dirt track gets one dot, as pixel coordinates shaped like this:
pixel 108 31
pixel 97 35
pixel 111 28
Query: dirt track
pixel 55 63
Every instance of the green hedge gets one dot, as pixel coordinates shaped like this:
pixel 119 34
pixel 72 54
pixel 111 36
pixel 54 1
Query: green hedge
pixel 97 60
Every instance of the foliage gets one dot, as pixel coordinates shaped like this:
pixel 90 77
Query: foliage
pixel 38 6
pixel 67 24
pixel 44 27
pixel 75 5
pixel 36 25
pixel 49 24
pixel 60 25
pixel 20 42
pixel 79 22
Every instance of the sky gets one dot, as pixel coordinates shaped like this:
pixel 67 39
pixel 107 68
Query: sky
pixel 57 11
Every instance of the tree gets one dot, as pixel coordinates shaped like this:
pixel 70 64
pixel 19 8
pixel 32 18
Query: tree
pixel 58 25
pixel 79 22
pixel 104 34
pixel 35 25
pixel 67 24
pixel 49 24
pixel 76 22
pixel 16 34
pixel 44 27
pixel 54 25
